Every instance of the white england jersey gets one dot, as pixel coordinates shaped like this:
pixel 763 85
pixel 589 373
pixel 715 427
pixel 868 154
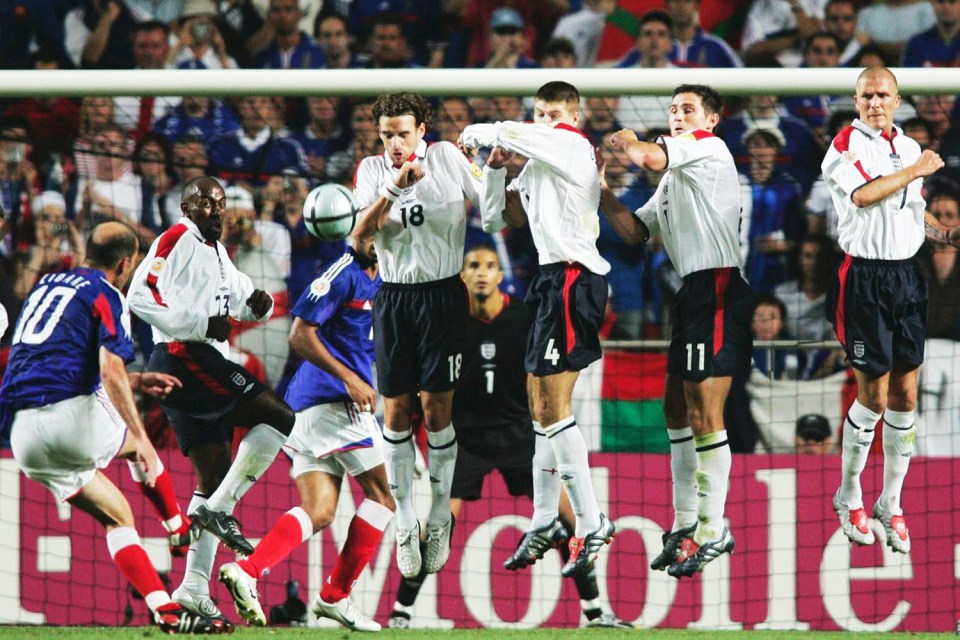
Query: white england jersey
pixel 183 281
pixel 559 188
pixel 422 240
pixel 697 204
pixel 891 229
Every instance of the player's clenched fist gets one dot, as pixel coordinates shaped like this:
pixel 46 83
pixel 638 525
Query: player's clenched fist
pixel 259 302
pixel 622 138
pixel 409 175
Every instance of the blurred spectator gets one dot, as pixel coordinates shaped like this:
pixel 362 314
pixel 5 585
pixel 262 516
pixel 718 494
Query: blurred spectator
pixel 539 18
pixel 422 22
pixel 151 48
pixel 775 31
pixel 334 39
pixel 599 115
pixel 453 114
pixel 98 34
pixel 53 121
pixel 871 55
pixel 243 28
pixel 936 111
pixel 801 152
pixel 189 161
pixel 152 162
pixel 775 220
pixel 260 249
pixel 387 45
pixel 769 322
pixel 115 191
pixel 889 24
pixel 199 116
pixel 96 113
pixel 323 134
pixel 366 142
pixel 559 53
pixel 290 48
pixel 942 269
pixel 26 27
pixel 508 43
pixel 840 19
pixel 940 45
pixel 254 152
pixel 54 244
pixel 821 51
pixel 508 108
pixel 692 46
pixel 201 45
pixel 654 42
pixel 922 132
pixel 805 297
pixel 813 435
pixel 165 11
pixel 310 9
pixel 584 27
pixel 19 180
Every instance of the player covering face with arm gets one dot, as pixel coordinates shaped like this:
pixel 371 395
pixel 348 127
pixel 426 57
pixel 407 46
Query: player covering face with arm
pixel 700 225
pixel 558 194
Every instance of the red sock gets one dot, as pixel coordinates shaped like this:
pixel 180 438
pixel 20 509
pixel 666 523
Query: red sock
pixel 363 538
pixel 162 496
pixel 285 536
pixel 132 560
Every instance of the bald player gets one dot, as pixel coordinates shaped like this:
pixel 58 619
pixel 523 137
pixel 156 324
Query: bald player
pixel 68 403
pixel 877 301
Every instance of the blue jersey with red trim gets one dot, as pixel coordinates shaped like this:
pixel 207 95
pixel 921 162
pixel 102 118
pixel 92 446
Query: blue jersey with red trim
pixel 65 320
pixel 340 303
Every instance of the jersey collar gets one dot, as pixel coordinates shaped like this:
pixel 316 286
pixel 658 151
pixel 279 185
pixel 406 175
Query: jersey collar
pixel 872 133
pixel 417 154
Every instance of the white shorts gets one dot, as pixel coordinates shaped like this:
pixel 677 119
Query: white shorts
pixel 62 445
pixel 334 438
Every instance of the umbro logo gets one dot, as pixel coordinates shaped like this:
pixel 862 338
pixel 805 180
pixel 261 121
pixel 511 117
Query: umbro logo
pixel 566 477
pixel 434 480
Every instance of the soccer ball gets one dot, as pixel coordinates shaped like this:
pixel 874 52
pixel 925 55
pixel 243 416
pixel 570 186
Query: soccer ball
pixel 330 212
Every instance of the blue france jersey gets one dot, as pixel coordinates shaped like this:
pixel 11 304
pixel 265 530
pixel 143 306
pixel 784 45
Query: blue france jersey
pixel 64 322
pixel 340 302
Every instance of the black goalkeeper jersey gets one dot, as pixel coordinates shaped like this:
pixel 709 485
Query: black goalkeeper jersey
pixel 493 386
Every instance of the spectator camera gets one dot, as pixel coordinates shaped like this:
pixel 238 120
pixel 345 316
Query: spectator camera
pixel 200 31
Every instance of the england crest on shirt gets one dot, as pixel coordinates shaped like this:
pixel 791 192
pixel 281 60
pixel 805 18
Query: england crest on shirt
pixel 488 350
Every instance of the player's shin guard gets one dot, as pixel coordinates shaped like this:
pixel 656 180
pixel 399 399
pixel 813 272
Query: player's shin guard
pixel 291 530
pixel 899 440
pixel 683 464
pixel 255 454
pixel 713 478
pixel 363 538
pixel 571 451
pixel 442 458
pixel 546 480
pixel 858 431
pixel 134 563
pixel 399 459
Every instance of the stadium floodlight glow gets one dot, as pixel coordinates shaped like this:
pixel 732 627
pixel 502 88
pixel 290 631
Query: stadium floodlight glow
pixel 486 82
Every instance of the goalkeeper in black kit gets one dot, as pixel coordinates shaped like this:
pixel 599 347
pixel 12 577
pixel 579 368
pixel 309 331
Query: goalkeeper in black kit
pixel 493 426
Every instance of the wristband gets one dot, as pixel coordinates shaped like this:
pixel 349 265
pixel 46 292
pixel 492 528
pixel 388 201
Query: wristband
pixel 389 192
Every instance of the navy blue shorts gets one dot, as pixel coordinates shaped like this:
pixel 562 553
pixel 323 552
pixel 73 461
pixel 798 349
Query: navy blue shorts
pixel 711 325
pixel 418 334
pixel 508 449
pixel 566 303
pixel 879 310
pixel 212 388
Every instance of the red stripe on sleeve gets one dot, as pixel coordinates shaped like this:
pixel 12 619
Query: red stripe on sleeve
pixel 169 240
pixel 841 300
pixel 700 134
pixel 842 141
pixel 721 280
pixel 102 310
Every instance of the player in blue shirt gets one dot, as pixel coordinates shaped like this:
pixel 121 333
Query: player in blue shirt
pixel 332 393
pixel 68 402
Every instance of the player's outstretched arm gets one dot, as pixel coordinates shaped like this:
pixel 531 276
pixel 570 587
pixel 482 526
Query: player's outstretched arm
pixel 374 217
pixel 154 383
pixel 113 374
pixel 305 341
pixel 648 155
pixel 885 186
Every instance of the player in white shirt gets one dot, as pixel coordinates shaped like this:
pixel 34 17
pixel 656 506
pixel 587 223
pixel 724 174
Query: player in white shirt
pixel 878 300
pixel 412 197
pixel 187 288
pixel 697 210
pixel 557 192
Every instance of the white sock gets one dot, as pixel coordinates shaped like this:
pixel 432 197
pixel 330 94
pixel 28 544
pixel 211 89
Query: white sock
pixel 683 464
pixel 546 480
pixel 200 558
pixel 256 453
pixel 571 451
pixel 399 458
pixel 899 438
pixel 442 458
pixel 713 479
pixel 858 431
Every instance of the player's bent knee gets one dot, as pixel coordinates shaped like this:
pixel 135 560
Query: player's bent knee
pixel 321 515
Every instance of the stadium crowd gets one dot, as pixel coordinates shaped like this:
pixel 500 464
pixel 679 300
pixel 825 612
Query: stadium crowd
pixel 67 164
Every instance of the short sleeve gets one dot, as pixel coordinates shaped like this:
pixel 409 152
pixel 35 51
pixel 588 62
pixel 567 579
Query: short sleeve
pixel 114 319
pixel 322 298
pixel 689 148
pixel 365 187
pixel 842 168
